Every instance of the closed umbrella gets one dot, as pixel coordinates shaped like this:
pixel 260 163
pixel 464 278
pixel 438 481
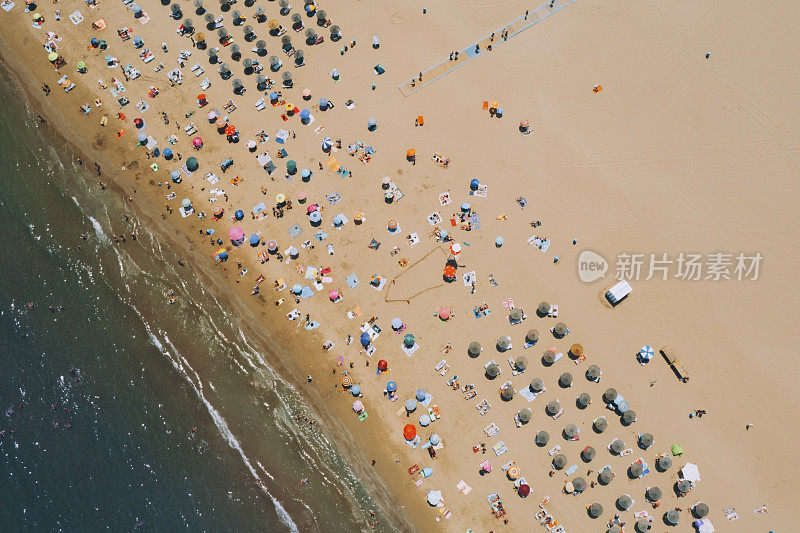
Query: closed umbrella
pixel 684 486
pixel 553 408
pixel 559 461
pixel 595 510
pixel 645 440
pixel 576 350
pixel 654 494
pixel 503 343
pixel 629 417
pixel 635 470
pixel 617 446
pixel 516 315
pixel 593 372
pixel 507 393
pixel 610 395
pixel 600 424
pixel 411 405
pixel 588 454
pixel 605 476
pixel 664 463
pixel 474 349
pixel 537 385
pixel 570 431
pixel 672 517
pixel 525 415
pixel 579 484
pixel 542 438
pixel 492 370
pixel 584 400
pixel 543 309
pixel 565 380
pixel 700 510
pixel 532 336
pixel 521 363
pixel 409 340
pixel 624 502
pixel 561 329
pixel 643 525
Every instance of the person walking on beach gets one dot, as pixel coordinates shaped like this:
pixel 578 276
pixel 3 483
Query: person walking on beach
pixel 420 76
pixel 477 48
pixel 526 14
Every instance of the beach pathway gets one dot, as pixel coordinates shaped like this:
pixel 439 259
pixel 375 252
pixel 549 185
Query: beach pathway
pixel 435 72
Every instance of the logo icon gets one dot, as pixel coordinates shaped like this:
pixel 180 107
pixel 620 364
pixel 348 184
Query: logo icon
pixel 591 266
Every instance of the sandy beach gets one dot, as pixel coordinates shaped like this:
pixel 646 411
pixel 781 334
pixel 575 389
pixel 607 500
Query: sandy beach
pixel 660 129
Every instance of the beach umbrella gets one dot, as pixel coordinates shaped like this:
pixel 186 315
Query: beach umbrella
pixel 643 525
pixel 543 309
pixel 560 329
pixel 537 385
pixel 175 175
pixel 397 324
pixel 188 24
pixel 542 438
pixel 516 314
pixel 197 142
pixel 584 400
pixel 635 470
pixel 286 39
pixel 261 82
pixel 409 340
pixel 383 366
pixel 617 446
pixel 610 395
pixel 391 386
pixel 579 485
pixel 684 486
pixel 326 144
pixel 576 350
pixel 663 463
pixel 411 405
pixel 409 431
pixel 321 17
pixel 434 497
pixel 595 510
pixel 186 203
pixel 672 517
pixel 525 415
pixel 421 395
pixel 358 406
pixel 305 114
pixel 81 66
pixel 507 393
pixel 524 489
pixel 493 370
pixel 372 123
pixel 323 104
pixel 236 52
pixel 466 207
pixel 254 240
pixel 614 529
pixel 444 313
pixel 142 137
pixel 553 407
pixel 297 18
pixel 653 494
pixel 474 349
pixel 200 38
pixel 605 476
pixel 521 363
pixel 700 510
pixel 559 461
pixel 236 234
pixel 167 153
pixel 239 214
pixel 365 340
pixel 624 502
pixel 600 424
pixel 192 164
pixel 335 74
pixel 261 47
pixel 272 247
pixel 593 372
pixel 628 417
pixel 273 24
pixel 224 71
pixel 503 343
pixel 570 431
pixel 549 357
pixel 336 33
pixel 176 10
pixel 565 380
pixel 588 454
pixel 291 166
pixel 532 336
pixel 424 421
pixel 646 353
pixel 645 440
pixel 286 76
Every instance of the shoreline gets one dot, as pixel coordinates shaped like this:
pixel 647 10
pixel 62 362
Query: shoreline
pixel 563 164
pixel 277 354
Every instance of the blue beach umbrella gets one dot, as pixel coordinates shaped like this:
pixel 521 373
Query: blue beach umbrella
pixel 315 217
pixel 273 96
pixel 305 113
pixel 167 153
pixel 326 144
pixel 239 215
pixel 411 405
pixel 297 288
pixel 337 220
pixel 142 137
pixel 473 184
pixel 254 240
pixel 305 173
pixel 372 124
pixel 175 175
pixel 421 395
pixel 323 104
pixel 391 386
pixel 355 390
pixel 365 339
pixel 466 207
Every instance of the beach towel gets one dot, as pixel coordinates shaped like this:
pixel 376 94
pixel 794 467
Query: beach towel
pixel 76 18
pixel 185 212
pixel 469 278
pixel 475 221
pixel 307 292
pixel 444 198
pixel 333 198
pixel 7 5
pixel 295 231
pixel 434 218
pixel 352 281
pixel 413 239
pixel 409 351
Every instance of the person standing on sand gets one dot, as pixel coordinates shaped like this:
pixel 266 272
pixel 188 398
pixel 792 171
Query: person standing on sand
pixel 526 14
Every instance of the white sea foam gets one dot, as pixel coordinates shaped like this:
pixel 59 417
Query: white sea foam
pixel 98 229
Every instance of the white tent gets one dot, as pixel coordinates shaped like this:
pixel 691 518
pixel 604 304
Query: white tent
pixel 618 292
pixel 690 472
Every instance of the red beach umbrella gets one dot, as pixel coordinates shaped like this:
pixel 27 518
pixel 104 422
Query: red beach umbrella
pixel 410 431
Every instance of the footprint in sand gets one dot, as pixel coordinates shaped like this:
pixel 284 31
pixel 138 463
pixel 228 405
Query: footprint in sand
pixel 396 18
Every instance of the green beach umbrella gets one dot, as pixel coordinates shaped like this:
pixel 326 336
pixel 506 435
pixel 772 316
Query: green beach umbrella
pixel 408 339
pixel 81 65
pixel 192 164
pixel 291 168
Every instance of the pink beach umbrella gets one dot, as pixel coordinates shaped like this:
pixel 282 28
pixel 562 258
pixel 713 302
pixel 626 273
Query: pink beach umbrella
pixel 444 313
pixel 333 295
pixel 358 406
pixel 197 142
pixel 236 234
pixel 310 209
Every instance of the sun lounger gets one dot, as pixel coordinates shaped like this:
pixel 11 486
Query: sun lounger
pixel 260 105
pixel 190 129
pixel 554 450
pixel 197 70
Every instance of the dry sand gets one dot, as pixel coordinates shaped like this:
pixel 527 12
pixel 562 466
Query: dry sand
pixel 677 153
